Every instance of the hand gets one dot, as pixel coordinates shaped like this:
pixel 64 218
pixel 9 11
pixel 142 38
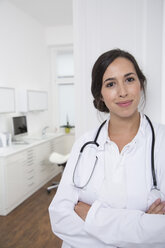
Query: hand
pixel 82 209
pixel 157 207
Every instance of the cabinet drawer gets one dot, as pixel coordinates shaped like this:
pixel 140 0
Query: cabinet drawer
pixel 30 185
pixel 29 159
pixel 29 177
pixel 29 162
pixel 30 154
pixel 30 180
pixel 29 172
pixel 43 165
pixel 52 146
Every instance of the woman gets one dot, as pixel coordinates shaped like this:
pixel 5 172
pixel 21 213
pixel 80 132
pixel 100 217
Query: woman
pixel 105 198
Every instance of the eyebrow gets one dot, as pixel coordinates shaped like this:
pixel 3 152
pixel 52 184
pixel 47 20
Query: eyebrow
pixel 113 78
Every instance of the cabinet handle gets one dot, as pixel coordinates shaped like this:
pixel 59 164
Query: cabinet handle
pixel 30 171
pixel 30 178
pixel 30 161
pixel 30 151
pixel 30 157
pixel 29 165
pixel 30 184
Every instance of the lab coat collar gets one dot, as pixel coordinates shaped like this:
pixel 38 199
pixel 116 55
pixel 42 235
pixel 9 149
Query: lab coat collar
pixel 103 136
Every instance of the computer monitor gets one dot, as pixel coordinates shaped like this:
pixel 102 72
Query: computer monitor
pixel 19 125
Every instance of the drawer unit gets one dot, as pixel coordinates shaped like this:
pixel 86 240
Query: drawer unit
pixel 25 171
pixel 43 153
pixel 29 167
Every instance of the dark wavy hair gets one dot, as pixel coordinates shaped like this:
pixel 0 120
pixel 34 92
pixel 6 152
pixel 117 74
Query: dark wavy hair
pixel 99 69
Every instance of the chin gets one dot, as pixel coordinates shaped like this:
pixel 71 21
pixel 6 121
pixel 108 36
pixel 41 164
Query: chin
pixel 126 113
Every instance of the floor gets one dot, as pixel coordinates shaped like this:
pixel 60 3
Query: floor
pixel 28 225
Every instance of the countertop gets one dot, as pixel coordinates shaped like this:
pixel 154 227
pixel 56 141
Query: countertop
pixel 27 142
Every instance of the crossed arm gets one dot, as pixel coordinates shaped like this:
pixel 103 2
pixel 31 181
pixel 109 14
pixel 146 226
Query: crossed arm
pixel 158 207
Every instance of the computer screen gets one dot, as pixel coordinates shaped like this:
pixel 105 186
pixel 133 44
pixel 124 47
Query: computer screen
pixel 19 125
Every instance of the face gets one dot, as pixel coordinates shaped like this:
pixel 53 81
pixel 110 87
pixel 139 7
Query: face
pixel 121 89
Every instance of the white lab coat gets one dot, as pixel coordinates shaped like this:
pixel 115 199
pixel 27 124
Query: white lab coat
pixel 106 225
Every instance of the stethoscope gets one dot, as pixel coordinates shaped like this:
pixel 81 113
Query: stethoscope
pixel 95 143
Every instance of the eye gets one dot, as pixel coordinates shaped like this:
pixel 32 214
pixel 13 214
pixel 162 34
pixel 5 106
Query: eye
pixel 110 84
pixel 130 79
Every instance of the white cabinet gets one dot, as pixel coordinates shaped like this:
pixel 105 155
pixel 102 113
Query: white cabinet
pixel 7 100
pixel 13 179
pixel 31 100
pixel 43 152
pixel 25 171
pixel 37 100
pixel 17 179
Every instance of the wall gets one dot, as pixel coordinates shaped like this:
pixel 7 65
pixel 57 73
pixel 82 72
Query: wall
pixel 60 35
pixel 23 60
pixel 101 25
pixel 163 66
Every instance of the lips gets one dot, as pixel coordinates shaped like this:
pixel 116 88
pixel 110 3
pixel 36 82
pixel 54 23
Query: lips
pixel 125 103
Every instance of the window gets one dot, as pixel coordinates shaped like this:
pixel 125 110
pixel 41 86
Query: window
pixel 63 86
pixel 65 67
pixel 66 103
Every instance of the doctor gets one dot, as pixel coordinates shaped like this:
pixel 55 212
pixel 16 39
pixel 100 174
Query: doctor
pixel 107 196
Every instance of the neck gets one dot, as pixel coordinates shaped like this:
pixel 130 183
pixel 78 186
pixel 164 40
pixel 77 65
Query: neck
pixel 120 126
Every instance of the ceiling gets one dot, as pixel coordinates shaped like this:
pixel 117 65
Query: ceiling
pixel 47 12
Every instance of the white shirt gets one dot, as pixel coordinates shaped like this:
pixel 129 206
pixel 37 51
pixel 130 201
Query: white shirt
pixel 113 189
pixel 117 215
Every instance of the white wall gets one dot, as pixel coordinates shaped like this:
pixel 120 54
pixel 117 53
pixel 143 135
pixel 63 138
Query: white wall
pixel 101 25
pixel 23 59
pixel 163 66
pixel 59 35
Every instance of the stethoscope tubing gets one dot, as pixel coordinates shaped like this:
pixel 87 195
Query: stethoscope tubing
pixel 152 153
pixel 94 142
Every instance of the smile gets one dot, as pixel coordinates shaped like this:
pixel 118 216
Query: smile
pixel 125 103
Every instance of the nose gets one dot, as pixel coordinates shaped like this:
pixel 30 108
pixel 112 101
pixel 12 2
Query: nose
pixel 122 91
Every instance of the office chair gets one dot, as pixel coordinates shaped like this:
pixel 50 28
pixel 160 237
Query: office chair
pixel 60 160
